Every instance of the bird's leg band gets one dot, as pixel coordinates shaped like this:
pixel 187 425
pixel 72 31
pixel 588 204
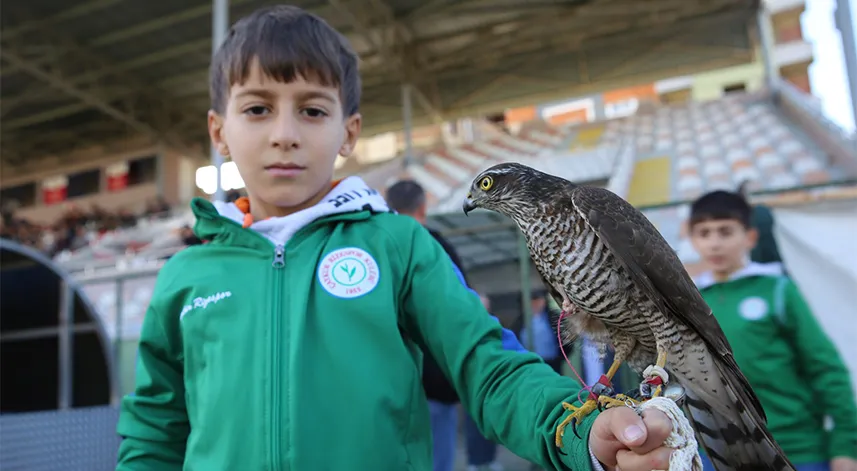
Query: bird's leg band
pixel 602 388
pixel 656 378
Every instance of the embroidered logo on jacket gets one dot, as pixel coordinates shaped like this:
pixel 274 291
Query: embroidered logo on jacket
pixel 202 303
pixel 348 273
pixel 753 308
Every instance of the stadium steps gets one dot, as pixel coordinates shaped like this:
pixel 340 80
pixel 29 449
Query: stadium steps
pixel 722 143
pixel 587 137
pixel 650 182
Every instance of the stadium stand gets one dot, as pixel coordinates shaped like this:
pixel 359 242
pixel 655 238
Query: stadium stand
pixel 705 146
pixel 680 152
pixel 660 156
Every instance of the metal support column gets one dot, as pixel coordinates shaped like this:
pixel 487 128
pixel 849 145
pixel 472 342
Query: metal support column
pixel 844 18
pixel 408 128
pixel 526 292
pixel 160 167
pixel 219 27
pixel 66 346
pixel 766 44
pixel 117 340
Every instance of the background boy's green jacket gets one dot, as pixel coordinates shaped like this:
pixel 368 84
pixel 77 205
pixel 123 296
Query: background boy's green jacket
pixel 792 365
pixel 247 362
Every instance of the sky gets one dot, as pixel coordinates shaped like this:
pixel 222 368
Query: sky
pixel 827 73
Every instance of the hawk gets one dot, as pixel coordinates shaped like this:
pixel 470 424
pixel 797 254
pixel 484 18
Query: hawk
pixel 603 260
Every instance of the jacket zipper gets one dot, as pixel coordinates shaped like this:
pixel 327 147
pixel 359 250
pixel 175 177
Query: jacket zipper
pixel 278 263
pixel 276 317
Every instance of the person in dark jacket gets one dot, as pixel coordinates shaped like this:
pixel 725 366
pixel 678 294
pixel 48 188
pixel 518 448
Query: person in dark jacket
pixel 762 219
pixel 407 197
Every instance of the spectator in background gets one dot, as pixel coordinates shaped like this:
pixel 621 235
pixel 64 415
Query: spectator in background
pixel 766 250
pixel 545 342
pixel 188 236
pixel 408 198
pixel 233 195
pixel 788 359
pixel 76 227
pixel 481 452
pixel 158 207
pixel 762 219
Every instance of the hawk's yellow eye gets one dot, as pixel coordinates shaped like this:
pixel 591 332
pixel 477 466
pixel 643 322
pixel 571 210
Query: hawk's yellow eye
pixel 486 183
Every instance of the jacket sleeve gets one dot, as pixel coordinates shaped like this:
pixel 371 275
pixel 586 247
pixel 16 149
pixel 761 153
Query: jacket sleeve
pixel 513 397
pixel 821 363
pixel 153 420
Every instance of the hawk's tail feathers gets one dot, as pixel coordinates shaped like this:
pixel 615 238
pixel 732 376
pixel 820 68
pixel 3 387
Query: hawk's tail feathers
pixel 734 435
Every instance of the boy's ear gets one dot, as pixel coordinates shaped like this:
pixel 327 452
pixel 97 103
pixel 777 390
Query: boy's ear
pixel 684 229
pixel 353 126
pixel 689 235
pixel 215 132
pixel 752 238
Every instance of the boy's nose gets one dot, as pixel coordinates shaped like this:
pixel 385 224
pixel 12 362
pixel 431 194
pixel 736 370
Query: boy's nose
pixel 286 134
pixel 715 245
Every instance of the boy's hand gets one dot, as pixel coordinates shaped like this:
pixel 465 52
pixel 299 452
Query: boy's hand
pixel 620 437
pixel 842 464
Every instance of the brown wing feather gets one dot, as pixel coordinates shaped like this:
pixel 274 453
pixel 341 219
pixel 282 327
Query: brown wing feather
pixel 655 267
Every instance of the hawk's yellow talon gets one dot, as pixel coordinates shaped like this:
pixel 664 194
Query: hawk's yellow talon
pixel 576 416
pixel 606 402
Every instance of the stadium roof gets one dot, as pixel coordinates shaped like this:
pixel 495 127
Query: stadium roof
pixel 103 70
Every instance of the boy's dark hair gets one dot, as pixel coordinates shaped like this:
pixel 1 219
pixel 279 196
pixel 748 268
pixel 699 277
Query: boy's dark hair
pixel 406 196
pixel 289 43
pixel 720 205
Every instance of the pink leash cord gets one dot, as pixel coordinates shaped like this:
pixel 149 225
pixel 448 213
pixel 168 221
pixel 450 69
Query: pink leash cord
pixel 567 361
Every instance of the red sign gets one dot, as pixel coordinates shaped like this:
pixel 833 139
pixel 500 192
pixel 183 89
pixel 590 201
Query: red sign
pixel 117 176
pixel 54 190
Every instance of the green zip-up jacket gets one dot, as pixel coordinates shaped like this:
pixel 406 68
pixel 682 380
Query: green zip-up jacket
pixel 792 365
pixel 296 345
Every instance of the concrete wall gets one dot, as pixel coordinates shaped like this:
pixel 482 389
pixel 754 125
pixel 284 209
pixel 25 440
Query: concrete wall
pixel 709 85
pixel 175 180
pixel 77 162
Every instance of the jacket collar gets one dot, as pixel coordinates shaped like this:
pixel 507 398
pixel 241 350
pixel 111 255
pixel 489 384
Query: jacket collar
pixel 350 199
pixel 706 280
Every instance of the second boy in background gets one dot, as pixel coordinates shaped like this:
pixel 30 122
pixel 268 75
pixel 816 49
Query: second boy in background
pixel 792 365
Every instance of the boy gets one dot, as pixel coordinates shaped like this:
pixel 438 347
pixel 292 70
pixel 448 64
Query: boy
pixel 291 339
pixel 793 367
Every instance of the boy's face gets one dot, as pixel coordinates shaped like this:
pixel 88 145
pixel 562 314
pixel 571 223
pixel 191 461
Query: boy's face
pixel 284 138
pixel 722 243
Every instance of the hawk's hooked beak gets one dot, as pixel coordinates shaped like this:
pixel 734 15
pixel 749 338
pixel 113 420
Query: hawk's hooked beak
pixel 468 204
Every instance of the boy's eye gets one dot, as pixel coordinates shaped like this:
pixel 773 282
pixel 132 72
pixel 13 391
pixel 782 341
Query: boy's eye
pixel 256 110
pixel 314 112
